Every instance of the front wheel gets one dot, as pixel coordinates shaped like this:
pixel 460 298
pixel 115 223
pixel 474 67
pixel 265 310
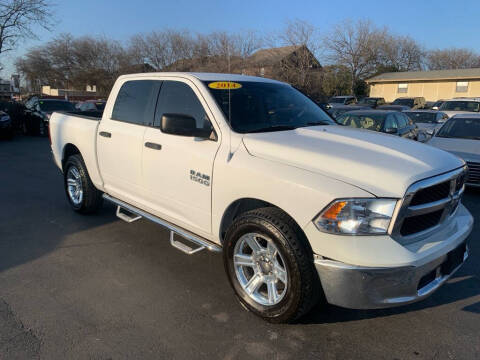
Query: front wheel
pixel 81 193
pixel 270 265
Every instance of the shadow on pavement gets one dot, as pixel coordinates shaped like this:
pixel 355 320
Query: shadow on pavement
pixel 34 214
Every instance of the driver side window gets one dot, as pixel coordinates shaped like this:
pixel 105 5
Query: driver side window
pixel 178 98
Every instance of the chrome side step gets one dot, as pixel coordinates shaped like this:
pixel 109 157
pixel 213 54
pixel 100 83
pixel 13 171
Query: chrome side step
pixel 174 230
pixel 126 217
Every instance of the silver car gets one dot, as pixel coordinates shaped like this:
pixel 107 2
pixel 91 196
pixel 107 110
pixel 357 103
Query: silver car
pixel 460 135
pixel 427 121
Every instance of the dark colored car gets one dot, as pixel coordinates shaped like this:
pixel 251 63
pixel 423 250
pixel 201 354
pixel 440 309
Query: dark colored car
pixel 412 102
pixel 6 126
pixel 342 100
pixel 372 102
pixel 336 111
pixel 92 105
pixel 38 112
pixel 390 122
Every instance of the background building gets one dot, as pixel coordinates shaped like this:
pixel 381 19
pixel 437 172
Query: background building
pixel 432 85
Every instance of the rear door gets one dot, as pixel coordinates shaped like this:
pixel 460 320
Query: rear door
pixel 177 169
pixel 120 139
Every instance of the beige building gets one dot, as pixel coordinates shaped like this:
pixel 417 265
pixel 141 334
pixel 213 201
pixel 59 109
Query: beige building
pixel 432 85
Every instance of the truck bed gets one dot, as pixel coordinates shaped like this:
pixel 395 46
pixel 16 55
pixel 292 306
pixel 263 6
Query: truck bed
pixel 76 130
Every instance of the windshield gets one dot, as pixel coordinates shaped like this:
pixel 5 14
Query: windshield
pixel 461 106
pixel 252 106
pixel 422 117
pixel 52 105
pixel 405 102
pixel 369 101
pixel 368 121
pixel 462 128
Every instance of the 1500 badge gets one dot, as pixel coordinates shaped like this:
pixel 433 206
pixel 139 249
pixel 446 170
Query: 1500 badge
pixel 199 177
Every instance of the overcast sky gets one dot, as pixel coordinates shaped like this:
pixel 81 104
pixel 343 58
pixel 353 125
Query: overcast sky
pixel 435 24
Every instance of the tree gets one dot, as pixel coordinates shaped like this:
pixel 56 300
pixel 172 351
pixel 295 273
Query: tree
pixel 356 45
pixel 452 58
pixel 72 63
pixel 400 53
pixel 302 69
pixel 17 17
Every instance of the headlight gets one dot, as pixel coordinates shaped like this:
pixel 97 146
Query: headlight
pixel 5 118
pixel 356 216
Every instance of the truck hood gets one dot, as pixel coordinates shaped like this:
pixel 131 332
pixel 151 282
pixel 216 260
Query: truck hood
pixel 381 164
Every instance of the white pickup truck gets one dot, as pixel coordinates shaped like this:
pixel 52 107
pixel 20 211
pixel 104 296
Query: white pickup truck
pixel 302 209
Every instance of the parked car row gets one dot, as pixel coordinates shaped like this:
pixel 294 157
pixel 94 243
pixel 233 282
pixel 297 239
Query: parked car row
pixel 32 117
pixel 452 125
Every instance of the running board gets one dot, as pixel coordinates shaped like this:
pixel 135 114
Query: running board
pixel 174 230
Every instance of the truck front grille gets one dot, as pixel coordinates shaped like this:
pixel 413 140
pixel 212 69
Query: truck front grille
pixel 473 173
pixel 427 204
pixel 414 224
pixel 431 194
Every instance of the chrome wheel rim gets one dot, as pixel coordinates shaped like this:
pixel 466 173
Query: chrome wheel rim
pixel 260 269
pixel 74 185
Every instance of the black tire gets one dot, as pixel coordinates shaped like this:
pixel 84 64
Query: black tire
pixel 92 198
pixel 303 290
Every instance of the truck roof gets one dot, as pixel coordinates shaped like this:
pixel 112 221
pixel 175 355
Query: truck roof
pixel 204 76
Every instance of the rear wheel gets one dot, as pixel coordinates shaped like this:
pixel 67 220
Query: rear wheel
pixel 81 193
pixel 270 265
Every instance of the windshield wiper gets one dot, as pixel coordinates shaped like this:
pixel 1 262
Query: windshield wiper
pixel 274 128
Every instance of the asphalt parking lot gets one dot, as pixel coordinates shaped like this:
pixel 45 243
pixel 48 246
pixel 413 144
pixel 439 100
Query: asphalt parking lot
pixel 95 287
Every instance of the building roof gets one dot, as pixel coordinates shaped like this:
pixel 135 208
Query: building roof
pixel 453 74
pixel 273 56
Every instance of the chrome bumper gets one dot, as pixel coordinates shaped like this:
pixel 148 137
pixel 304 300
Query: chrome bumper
pixel 359 287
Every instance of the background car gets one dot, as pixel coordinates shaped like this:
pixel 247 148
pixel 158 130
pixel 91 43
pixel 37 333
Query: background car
pixel 338 110
pixel 460 135
pixel 6 126
pixel 38 112
pixel 436 105
pixel 390 122
pixel 372 102
pixel 91 105
pixel 342 100
pixel 427 122
pixel 412 102
pixel 460 106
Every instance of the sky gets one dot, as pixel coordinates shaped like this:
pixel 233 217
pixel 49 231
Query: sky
pixel 435 24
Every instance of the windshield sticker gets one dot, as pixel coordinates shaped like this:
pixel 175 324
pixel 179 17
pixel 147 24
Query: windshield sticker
pixel 224 85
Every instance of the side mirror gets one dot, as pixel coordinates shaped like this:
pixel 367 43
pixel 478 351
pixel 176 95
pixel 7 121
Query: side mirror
pixel 391 130
pixel 430 132
pixel 182 125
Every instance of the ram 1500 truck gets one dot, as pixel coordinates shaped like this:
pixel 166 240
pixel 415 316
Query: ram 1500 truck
pixel 302 209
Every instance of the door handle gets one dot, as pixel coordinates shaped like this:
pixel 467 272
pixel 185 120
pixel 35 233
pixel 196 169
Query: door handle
pixel 105 134
pixel 153 146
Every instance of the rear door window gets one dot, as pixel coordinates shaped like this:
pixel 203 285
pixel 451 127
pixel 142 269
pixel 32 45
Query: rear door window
pixel 136 101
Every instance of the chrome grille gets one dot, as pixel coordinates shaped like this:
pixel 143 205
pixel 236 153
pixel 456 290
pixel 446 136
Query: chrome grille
pixel 473 173
pixel 427 204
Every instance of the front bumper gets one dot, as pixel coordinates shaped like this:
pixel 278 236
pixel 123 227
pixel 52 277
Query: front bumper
pixel 358 287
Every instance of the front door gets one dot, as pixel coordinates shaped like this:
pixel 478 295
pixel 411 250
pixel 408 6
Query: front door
pixel 178 170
